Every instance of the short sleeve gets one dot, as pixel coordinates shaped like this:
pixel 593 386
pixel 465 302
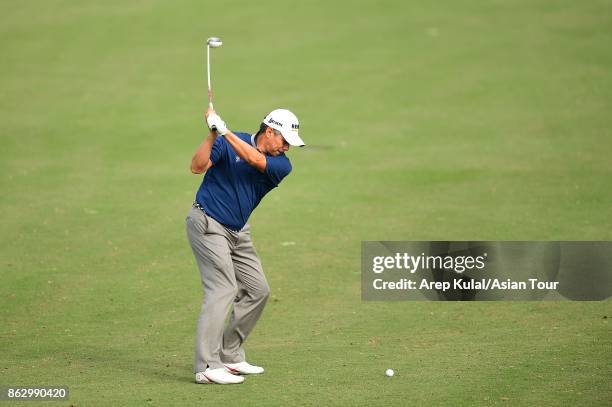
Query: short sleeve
pixel 277 168
pixel 218 149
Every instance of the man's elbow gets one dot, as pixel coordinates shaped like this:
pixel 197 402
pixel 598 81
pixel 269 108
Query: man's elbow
pixel 258 161
pixel 196 169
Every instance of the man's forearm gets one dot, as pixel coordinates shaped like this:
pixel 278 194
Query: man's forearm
pixel 201 158
pixel 247 152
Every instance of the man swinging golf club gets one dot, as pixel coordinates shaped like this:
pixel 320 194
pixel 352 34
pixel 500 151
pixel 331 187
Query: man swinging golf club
pixel 240 170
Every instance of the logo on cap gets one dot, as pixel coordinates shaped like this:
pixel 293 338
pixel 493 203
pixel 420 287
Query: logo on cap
pixel 271 120
pixel 295 126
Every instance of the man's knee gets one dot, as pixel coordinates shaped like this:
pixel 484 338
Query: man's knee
pixel 261 293
pixel 220 295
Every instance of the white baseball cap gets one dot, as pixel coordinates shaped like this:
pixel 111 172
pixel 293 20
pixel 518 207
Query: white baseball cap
pixel 287 123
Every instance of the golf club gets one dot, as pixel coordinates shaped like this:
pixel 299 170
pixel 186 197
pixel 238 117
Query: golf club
pixel 212 42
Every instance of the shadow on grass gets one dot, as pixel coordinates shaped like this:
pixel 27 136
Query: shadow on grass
pixel 128 366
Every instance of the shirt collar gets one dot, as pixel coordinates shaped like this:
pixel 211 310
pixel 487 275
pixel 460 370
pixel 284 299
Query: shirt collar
pixel 253 141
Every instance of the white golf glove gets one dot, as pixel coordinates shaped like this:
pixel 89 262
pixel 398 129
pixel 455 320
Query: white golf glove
pixel 215 122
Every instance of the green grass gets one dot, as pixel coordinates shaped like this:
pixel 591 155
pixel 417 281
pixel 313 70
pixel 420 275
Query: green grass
pixel 425 120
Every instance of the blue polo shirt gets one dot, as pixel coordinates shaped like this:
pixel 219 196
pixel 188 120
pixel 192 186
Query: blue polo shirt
pixel 232 188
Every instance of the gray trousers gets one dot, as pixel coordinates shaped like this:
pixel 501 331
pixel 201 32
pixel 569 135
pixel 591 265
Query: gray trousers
pixel 231 273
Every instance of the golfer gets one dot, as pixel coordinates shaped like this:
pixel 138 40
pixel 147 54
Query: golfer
pixel 240 170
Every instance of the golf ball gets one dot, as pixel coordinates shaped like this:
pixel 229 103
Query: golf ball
pixel 389 372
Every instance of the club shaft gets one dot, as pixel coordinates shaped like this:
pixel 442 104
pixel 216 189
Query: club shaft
pixel 210 104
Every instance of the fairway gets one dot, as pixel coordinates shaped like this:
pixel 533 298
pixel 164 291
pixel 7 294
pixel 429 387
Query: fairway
pixel 455 120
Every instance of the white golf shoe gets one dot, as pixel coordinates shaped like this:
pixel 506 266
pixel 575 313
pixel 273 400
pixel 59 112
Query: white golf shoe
pixel 243 368
pixel 218 376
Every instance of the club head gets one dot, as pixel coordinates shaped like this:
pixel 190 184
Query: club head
pixel 214 42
